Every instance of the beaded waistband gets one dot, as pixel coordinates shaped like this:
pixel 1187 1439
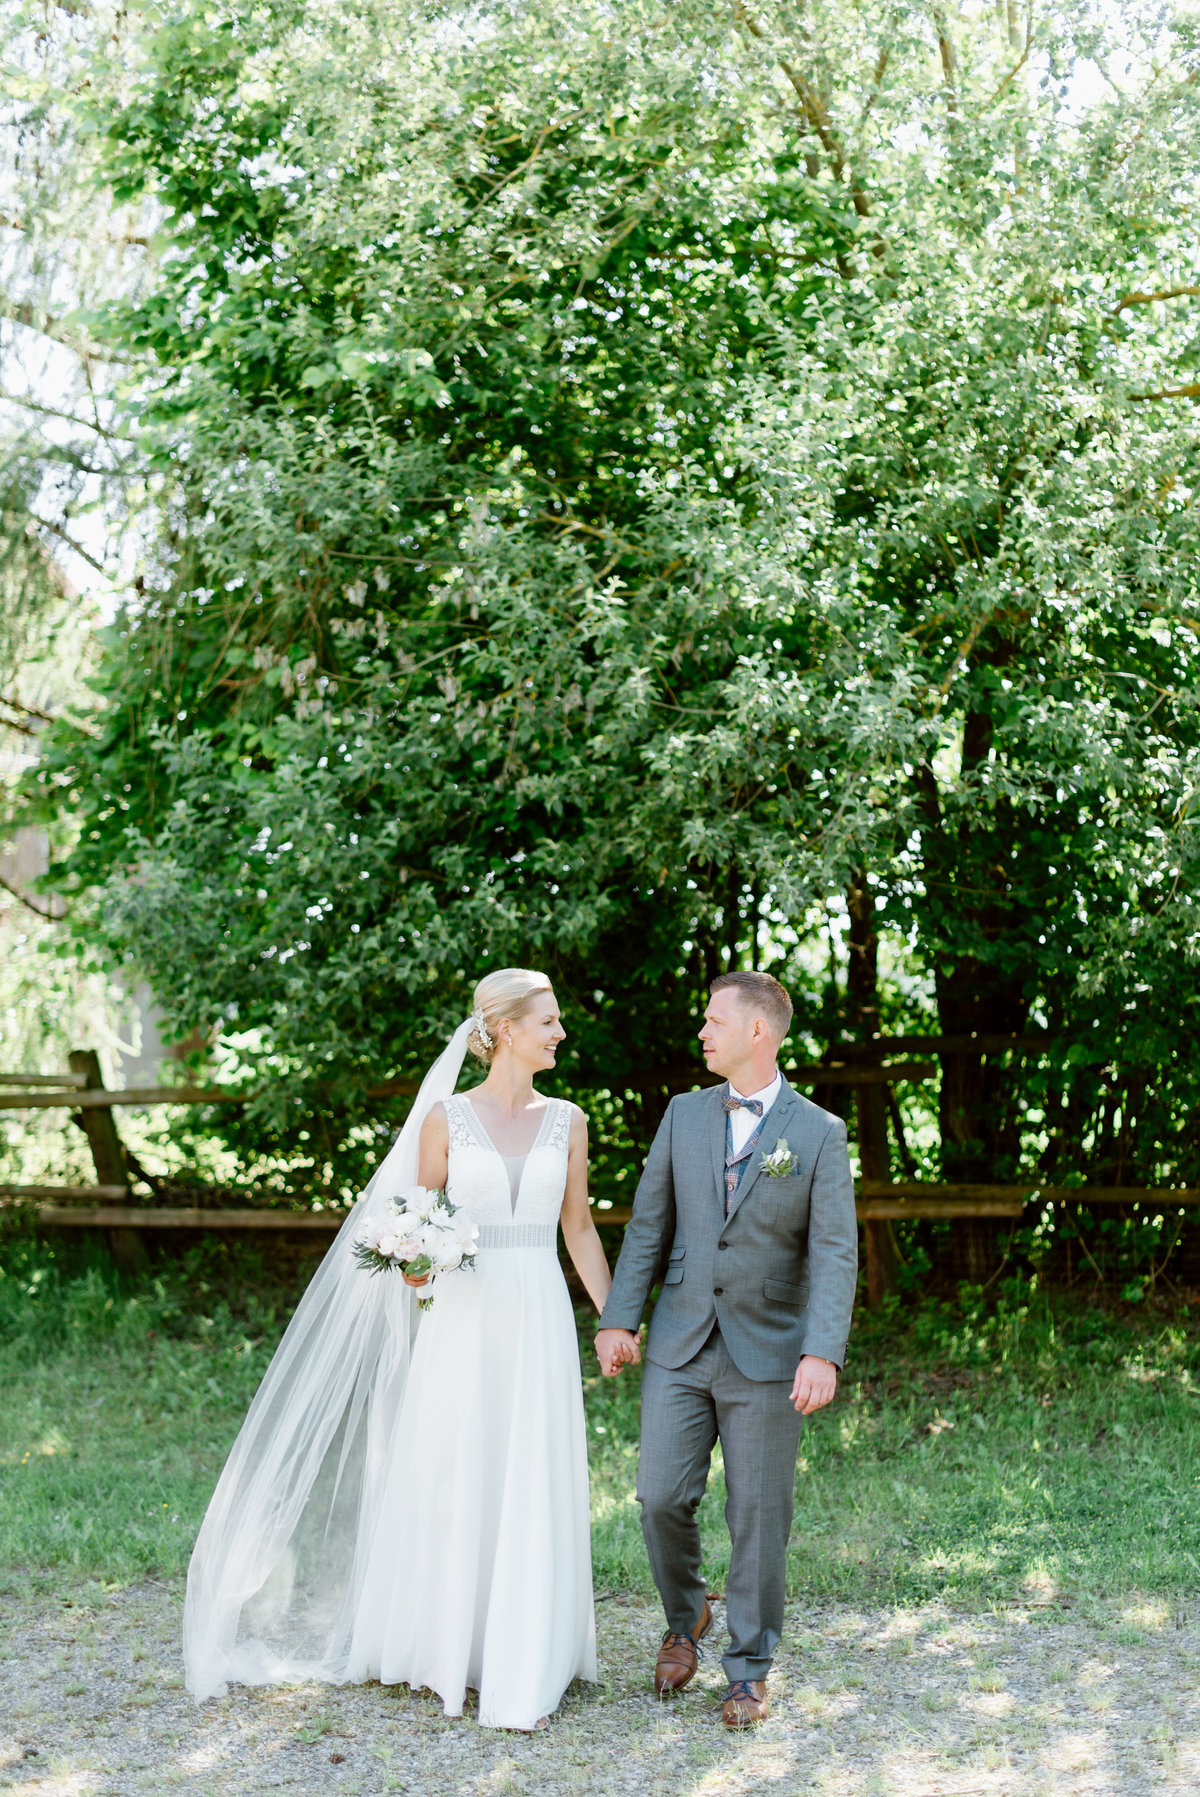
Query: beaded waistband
pixel 518 1235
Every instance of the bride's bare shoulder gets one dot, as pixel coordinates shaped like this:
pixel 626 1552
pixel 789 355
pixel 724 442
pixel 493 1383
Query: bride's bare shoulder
pixel 435 1127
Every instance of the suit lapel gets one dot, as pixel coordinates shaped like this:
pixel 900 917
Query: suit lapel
pixel 716 1130
pixel 774 1125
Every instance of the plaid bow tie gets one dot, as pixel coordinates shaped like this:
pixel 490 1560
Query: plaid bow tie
pixel 732 1104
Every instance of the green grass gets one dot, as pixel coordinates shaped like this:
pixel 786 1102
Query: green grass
pixel 1030 1449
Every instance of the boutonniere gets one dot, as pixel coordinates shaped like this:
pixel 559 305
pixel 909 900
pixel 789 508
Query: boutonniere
pixel 780 1162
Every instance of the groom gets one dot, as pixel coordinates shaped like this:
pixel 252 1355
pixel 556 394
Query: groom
pixel 746 1212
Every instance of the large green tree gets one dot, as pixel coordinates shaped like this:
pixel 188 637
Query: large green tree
pixel 628 476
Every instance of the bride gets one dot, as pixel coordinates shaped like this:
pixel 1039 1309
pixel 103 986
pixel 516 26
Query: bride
pixel 409 1503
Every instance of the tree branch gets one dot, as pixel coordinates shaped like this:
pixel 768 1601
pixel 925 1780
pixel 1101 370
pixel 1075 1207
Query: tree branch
pixel 949 61
pixel 33 405
pixel 31 711
pixel 817 115
pixel 876 82
pixel 8 222
pixel 46 916
pixel 1137 298
pixel 1191 391
pixel 56 530
pixel 1009 78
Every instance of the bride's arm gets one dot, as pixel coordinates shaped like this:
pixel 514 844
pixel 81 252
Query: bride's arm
pixel 434 1159
pixel 579 1232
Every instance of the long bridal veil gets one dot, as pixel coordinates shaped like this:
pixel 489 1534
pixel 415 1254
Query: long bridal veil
pixel 276 1571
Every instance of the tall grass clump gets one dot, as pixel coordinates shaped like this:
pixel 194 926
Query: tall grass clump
pixel 122 1396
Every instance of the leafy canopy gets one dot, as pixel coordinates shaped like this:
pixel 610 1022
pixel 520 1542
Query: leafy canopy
pixel 627 478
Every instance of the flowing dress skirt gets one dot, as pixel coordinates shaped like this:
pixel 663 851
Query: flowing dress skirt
pixel 479 1573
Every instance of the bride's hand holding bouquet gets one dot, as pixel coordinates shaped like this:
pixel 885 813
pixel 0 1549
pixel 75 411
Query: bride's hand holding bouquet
pixel 421 1233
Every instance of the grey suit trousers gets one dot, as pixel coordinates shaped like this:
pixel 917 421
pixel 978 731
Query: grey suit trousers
pixel 685 1411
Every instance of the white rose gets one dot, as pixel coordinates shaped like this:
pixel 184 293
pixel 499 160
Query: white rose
pixel 420 1201
pixel 466 1233
pixel 449 1256
pixel 387 1243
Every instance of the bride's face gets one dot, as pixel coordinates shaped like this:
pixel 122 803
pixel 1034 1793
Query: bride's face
pixel 534 1038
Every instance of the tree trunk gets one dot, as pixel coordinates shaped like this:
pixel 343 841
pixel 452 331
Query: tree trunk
pixel 870 1101
pixel 108 1156
pixel 976 995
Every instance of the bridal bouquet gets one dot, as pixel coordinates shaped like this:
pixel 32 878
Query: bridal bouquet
pixel 420 1232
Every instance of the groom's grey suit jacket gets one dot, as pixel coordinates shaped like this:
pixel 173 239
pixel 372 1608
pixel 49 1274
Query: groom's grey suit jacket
pixel 778 1274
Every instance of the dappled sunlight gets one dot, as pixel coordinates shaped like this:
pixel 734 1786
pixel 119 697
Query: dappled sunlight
pixel 813 1705
pixel 913 1772
pixel 613 1503
pixel 1095 1674
pixel 208 1757
pixel 757 1763
pixel 984 1702
pixel 1039 1585
pixel 46 1447
pixel 1182 1762
pixel 500 1779
pixel 901 1626
pixel 1149 1613
pixel 66 1784
pixel 1079 1751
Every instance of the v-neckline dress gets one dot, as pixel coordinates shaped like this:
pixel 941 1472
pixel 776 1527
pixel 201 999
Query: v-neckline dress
pixel 479 1574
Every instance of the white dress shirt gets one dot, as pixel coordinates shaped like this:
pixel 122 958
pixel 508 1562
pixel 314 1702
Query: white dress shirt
pixel 743 1123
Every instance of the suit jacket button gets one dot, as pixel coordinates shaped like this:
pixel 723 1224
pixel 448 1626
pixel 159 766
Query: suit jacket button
pixel 717 1290
pixel 722 1244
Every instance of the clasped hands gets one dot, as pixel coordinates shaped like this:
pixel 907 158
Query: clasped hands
pixel 616 1348
pixel 814 1386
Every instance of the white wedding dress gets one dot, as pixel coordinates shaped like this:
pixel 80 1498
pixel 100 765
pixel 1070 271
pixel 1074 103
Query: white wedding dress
pixel 478 1572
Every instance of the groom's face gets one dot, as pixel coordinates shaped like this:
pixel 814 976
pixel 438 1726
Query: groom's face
pixel 732 1032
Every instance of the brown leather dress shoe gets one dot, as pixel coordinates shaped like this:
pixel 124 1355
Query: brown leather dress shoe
pixel 745 1703
pixel 677 1657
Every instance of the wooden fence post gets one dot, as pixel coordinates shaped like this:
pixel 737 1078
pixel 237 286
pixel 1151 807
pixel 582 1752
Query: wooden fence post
pixel 99 1126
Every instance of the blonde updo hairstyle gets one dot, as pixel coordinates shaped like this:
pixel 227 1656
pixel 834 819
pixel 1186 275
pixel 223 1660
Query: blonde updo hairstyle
pixel 508 993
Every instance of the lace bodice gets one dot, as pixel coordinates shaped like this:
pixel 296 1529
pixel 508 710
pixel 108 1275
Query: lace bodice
pixel 477 1176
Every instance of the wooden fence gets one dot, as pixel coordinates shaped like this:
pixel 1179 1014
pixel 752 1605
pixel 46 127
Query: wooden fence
pixel 866 1067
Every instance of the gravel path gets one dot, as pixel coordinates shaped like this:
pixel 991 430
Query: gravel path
pixel 914 1703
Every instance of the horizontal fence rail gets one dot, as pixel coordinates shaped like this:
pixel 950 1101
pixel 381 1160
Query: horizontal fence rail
pixel 69 1091
pixel 131 1216
pixel 42 1079
pixel 866 1067
pixel 920 1203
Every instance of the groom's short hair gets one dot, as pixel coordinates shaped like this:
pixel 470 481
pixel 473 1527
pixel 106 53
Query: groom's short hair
pixel 762 993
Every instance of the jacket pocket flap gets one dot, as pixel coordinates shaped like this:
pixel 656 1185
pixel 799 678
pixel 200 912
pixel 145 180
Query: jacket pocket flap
pixel 673 1275
pixel 781 1291
pixel 677 1254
